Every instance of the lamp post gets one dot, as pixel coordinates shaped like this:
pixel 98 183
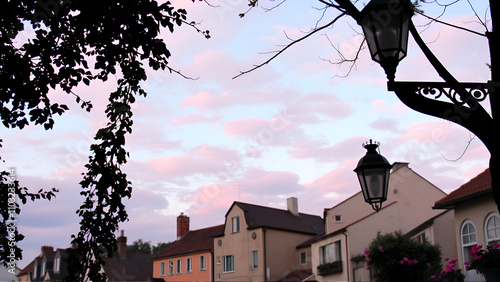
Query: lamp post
pixel 386 24
pixel 373 173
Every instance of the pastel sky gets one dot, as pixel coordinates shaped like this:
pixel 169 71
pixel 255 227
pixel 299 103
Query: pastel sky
pixel 291 128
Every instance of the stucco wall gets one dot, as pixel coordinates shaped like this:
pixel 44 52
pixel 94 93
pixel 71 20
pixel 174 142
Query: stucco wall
pixel 195 275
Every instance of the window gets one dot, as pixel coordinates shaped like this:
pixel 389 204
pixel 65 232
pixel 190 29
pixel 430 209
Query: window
pixel 218 260
pixel 171 267
pixel 179 266
pixel 228 263
pixel 469 239
pixel 35 270
pixel 235 224
pixel 420 238
pixel 203 263
pixel 57 262
pixel 44 264
pixel 189 265
pixel 330 253
pixel 162 268
pixel 338 218
pixel 255 260
pixel 303 258
pixel 492 227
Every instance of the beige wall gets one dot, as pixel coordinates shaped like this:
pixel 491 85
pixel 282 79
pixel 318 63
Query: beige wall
pixel 281 254
pixel 476 211
pixel 315 253
pixel 409 204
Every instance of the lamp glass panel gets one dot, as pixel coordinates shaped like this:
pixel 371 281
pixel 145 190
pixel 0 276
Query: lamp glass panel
pixel 375 181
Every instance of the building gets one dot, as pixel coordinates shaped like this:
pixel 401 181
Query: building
pixel 51 265
pixel 264 244
pixel 353 224
pixel 127 266
pixel 190 257
pixel 476 217
pixel 36 269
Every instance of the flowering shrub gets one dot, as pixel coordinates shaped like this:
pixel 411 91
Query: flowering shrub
pixel 450 273
pixel 484 258
pixel 395 257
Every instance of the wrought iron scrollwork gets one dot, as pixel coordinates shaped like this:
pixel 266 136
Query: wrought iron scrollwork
pixel 433 90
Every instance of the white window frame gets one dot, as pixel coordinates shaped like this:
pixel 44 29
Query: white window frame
pixel 203 263
pixel 330 252
pixel 162 268
pixel 255 259
pixel 228 265
pixel 170 267
pixel 235 224
pixel 57 264
pixel 303 258
pixel 35 270
pixel 179 266
pixel 496 229
pixel 471 239
pixel 44 267
pixel 189 265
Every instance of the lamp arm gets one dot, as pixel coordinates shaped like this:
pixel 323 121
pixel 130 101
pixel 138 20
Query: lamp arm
pixel 476 121
pixel 442 71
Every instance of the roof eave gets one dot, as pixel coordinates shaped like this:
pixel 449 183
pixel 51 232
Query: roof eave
pixel 451 204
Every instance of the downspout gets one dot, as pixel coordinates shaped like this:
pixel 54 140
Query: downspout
pixel 264 252
pixel 347 256
pixel 212 265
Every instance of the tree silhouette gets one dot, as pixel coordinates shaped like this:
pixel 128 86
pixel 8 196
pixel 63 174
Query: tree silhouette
pixel 71 43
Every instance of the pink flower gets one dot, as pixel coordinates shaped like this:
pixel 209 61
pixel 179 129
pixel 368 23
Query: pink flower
pixel 405 259
pixel 453 260
pixel 476 257
pixel 415 261
pixel 496 246
pixel 367 252
pixel 446 259
pixel 475 249
pixel 402 261
pixel 433 276
pixel 380 248
pixel 466 265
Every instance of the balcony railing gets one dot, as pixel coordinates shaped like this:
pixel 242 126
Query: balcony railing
pixel 330 268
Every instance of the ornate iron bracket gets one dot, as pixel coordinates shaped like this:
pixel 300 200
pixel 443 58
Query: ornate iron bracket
pixel 425 97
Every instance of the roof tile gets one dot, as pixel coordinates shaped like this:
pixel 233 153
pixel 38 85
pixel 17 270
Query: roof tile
pixel 476 186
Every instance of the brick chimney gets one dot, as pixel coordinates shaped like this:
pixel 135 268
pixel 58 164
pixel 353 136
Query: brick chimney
pixel 122 245
pixel 46 249
pixel 292 205
pixel 182 225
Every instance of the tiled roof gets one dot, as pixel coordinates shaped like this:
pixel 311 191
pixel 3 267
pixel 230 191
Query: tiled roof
pixel 202 237
pixel 298 275
pixel 135 267
pixel 259 216
pixel 476 187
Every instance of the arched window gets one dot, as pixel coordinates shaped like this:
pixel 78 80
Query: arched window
pixel 469 239
pixel 492 229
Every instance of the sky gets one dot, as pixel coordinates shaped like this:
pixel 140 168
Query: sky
pixel 294 127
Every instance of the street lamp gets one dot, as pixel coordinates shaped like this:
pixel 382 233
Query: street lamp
pixel 373 173
pixel 385 25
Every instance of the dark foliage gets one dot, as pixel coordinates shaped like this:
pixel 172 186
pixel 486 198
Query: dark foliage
pixel 73 43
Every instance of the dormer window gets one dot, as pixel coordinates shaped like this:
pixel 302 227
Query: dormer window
pixel 44 264
pixel 235 224
pixel 35 270
pixel 338 218
pixel 57 261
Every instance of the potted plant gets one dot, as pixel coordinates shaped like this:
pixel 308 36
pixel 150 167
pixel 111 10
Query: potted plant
pixel 486 261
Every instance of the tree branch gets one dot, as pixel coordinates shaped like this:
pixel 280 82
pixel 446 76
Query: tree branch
pixel 290 45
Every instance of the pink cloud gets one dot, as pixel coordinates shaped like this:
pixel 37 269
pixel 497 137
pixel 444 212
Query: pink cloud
pixel 194 118
pixel 338 152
